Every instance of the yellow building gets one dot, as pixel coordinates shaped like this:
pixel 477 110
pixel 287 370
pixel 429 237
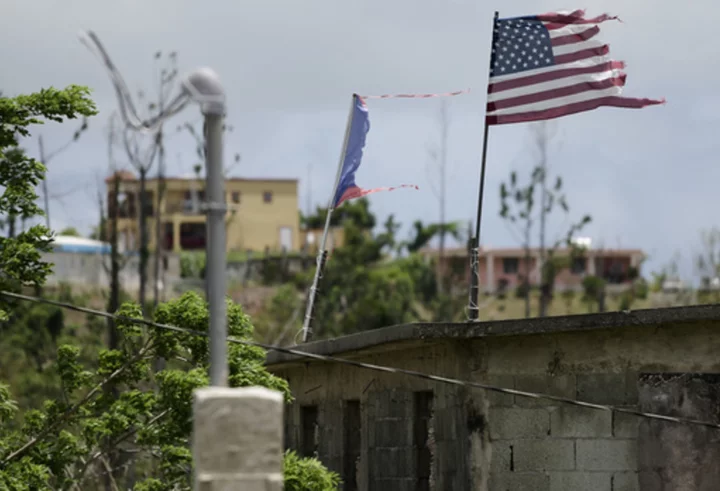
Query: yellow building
pixel 262 213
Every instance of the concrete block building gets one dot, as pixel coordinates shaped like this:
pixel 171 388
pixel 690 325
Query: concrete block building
pixel 385 431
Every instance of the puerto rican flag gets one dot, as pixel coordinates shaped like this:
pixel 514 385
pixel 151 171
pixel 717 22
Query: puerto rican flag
pixel 359 128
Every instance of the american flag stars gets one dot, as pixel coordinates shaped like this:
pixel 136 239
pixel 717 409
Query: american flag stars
pixel 520 45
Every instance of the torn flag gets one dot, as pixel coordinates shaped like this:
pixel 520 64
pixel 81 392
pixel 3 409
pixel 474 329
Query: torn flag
pixel 552 65
pixel 357 134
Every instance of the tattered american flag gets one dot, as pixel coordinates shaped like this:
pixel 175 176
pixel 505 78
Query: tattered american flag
pixel 552 65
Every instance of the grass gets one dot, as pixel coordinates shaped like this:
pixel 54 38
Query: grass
pixel 241 256
pixel 512 307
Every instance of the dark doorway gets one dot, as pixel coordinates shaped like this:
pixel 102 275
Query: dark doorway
pixel 193 236
pixel 351 444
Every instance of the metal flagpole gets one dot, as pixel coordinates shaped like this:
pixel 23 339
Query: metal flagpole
pixel 322 253
pixel 473 309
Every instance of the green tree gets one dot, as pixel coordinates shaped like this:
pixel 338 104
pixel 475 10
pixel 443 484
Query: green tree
pixel 569 297
pixel 517 207
pixel 20 254
pixel 362 288
pixel 422 234
pixel 281 319
pixel 71 231
pixel 356 211
pixel 670 271
pixel 69 442
pixel 593 288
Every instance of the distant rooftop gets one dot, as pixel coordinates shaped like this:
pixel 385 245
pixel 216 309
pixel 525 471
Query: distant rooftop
pixel 128 176
pixel 69 243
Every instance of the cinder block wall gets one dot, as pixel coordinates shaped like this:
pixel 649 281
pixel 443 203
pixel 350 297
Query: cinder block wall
pixel 414 434
pixel 543 446
pixel 483 440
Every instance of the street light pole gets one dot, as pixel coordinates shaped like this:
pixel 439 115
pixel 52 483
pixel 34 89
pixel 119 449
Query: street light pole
pixel 204 87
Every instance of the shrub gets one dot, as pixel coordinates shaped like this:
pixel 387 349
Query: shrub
pixel 307 474
pixel 569 297
pixel 592 285
pixel 641 289
pixel 626 300
pixel 192 265
pixel 522 289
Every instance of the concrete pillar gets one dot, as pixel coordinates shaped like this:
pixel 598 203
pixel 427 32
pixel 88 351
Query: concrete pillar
pixel 489 272
pixel 176 235
pixel 591 259
pixel 237 440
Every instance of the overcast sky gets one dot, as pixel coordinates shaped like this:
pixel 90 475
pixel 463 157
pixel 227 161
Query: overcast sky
pixel 646 176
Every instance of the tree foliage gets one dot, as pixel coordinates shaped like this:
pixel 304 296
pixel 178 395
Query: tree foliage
pixel 70 231
pixel 68 443
pixel 593 288
pixel 307 474
pixel 363 285
pixel 423 234
pixel 519 206
pixel 20 253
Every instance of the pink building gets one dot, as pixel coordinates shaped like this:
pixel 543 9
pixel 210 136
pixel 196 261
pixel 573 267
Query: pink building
pixel 506 267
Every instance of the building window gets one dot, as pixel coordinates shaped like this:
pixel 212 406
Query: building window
pixel 309 431
pixel 578 265
pixel 236 197
pixel 422 421
pixel 351 443
pixel 510 265
pixel 267 197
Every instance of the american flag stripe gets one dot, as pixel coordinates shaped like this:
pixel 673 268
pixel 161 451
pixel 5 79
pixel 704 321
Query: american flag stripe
pixel 548 92
pixel 588 66
pixel 561 37
pixel 558 20
pixel 552 65
pixel 539 87
pixel 356 192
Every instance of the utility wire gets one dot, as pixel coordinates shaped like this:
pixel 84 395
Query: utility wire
pixel 369 366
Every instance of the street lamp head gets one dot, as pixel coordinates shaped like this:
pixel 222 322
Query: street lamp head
pixel 203 86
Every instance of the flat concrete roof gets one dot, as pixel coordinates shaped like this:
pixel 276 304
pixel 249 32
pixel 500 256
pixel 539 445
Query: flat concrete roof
pixel 511 327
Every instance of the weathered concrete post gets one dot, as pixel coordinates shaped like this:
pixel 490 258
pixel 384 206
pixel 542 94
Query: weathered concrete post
pixel 237 439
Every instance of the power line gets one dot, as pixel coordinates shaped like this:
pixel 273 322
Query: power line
pixel 368 366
